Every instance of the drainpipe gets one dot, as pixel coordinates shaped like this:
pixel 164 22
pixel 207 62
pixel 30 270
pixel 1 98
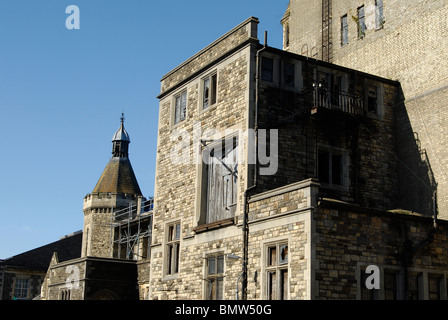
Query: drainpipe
pixel 245 215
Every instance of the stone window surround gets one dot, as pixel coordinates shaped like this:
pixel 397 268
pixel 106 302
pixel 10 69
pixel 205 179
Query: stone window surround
pixel 166 273
pixel 173 107
pixel 264 245
pixel 212 254
pixel 209 75
pixel 200 226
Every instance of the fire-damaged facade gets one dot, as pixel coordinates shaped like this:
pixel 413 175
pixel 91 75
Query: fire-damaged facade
pixel 277 178
pixel 320 204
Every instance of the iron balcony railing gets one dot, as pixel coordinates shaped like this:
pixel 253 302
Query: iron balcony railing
pixel 337 100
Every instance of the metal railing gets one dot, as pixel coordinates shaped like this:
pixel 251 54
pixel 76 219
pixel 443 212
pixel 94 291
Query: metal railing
pixel 337 100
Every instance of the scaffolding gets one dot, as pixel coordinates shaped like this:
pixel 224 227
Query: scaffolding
pixel 130 231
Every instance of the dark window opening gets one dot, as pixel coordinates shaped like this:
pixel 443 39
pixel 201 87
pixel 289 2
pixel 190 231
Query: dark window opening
pixel 267 69
pixel 289 74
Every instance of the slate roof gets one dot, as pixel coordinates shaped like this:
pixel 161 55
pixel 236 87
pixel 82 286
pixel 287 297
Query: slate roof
pixel 118 177
pixel 39 259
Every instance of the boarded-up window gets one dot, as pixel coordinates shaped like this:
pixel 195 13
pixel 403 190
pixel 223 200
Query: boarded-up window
pixel 221 182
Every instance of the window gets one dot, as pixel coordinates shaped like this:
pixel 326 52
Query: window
pixel 379 14
pixel 367 294
pixel 21 288
pixel 289 74
pixel 65 294
pixel 434 286
pixel 215 277
pixel 414 287
pixel 390 286
pixel 331 168
pixel 344 30
pixel 372 99
pixel 361 22
pixel 277 271
pixel 267 69
pixel 209 91
pixel 220 181
pixel 180 107
pixel 173 246
pixel 286 35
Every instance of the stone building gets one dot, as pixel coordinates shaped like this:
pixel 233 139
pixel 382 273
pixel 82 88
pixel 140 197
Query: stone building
pixel 115 238
pixel 400 40
pixel 280 174
pixel 277 177
pixel 21 276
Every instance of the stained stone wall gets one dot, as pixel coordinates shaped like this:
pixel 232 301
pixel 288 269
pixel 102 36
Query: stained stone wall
pixel 411 47
pixel 349 238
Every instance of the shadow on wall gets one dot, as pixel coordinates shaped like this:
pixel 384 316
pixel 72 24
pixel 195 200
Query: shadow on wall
pixel 417 184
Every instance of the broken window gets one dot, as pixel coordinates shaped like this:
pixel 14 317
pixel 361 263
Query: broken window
pixel 173 246
pixel 215 277
pixel 361 22
pixel 331 168
pixel 344 30
pixel 289 74
pixel 209 91
pixel 180 107
pixel 267 69
pixel 220 181
pixel 379 14
pixel 277 271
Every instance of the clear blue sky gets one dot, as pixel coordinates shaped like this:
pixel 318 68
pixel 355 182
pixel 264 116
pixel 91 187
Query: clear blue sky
pixel 62 93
